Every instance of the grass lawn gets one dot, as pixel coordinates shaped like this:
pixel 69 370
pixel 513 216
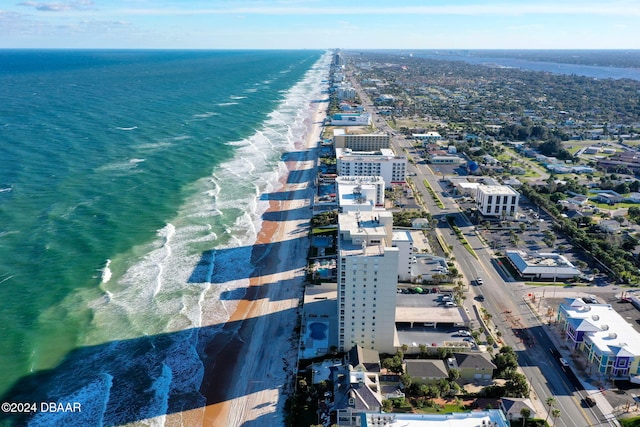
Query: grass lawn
pixel 630 422
pixel 416 123
pixel 451 407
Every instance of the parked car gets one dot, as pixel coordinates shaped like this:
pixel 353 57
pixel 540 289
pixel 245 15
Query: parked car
pixel 479 281
pixel 589 401
pixel 464 333
pixel 564 362
pixel 450 304
pixel 480 298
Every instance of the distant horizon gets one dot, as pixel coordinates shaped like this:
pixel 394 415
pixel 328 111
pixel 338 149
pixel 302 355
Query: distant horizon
pixel 408 50
pixel 314 24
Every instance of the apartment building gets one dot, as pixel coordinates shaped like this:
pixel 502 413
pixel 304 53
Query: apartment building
pixel 382 163
pixel 367 281
pixel 360 193
pixel 360 142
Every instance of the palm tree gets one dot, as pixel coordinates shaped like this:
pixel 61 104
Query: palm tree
pixel 551 402
pixel 555 414
pixel 525 413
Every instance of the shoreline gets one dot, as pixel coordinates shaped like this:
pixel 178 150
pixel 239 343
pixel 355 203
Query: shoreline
pixel 252 359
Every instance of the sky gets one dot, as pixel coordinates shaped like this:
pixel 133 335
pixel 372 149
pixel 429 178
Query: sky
pixel 321 24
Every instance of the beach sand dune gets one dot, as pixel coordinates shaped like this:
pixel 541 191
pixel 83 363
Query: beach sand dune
pixel 253 360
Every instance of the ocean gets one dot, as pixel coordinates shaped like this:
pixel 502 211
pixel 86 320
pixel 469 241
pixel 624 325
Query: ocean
pixel 125 177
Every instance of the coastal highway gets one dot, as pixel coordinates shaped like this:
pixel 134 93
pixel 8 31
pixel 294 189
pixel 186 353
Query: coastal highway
pixel 503 298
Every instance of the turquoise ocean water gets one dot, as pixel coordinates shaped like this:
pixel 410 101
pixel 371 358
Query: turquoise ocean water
pixel 118 171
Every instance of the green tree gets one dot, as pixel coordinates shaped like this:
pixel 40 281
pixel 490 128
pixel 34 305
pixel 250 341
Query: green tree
pixel 454 374
pixel 551 402
pixel 423 349
pixel 394 364
pixel 506 362
pixel 517 385
pixel 406 380
pixel 525 413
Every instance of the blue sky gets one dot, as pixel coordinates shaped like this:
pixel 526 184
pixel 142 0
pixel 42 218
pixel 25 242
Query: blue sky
pixel 311 24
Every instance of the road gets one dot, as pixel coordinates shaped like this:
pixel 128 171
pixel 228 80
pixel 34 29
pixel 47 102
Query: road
pixel 503 297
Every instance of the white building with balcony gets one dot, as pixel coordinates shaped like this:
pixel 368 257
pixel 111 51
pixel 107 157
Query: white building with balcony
pixel 367 281
pixel 360 193
pixel 382 163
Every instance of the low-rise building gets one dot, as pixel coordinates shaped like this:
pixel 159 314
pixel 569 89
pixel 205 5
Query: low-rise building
pixel 499 201
pixel 491 417
pixel 472 366
pixel 351 119
pixel 604 338
pixel 512 407
pixel 436 159
pixel 427 138
pixel 426 371
pixel 542 265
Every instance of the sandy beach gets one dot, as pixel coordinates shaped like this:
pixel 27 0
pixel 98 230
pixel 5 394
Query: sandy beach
pixel 254 358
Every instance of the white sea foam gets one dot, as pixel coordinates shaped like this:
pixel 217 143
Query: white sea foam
pixel 154 146
pixel 206 115
pixel 190 278
pixel 237 97
pixel 127 129
pixel 106 272
pixel 123 167
pixel 6 190
pixel 226 104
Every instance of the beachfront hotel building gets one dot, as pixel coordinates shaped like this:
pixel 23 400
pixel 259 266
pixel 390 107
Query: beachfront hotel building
pixel 360 193
pixel 360 142
pixel 351 119
pixel 610 345
pixel 497 201
pixel 382 163
pixel 367 281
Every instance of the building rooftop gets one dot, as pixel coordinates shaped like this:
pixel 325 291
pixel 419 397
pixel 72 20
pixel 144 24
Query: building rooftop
pixel 542 262
pixel 364 233
pixel 498 189
pixel 608 331
pixel 492 417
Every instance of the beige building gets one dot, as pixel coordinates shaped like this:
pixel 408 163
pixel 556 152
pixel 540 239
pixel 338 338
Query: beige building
pixel 360 142
pixel 367 281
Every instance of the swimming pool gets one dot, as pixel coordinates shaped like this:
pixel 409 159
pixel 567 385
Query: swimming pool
pixel 318 331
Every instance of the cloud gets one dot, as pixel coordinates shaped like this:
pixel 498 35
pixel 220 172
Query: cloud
pixel 482 9
pixel 58 7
